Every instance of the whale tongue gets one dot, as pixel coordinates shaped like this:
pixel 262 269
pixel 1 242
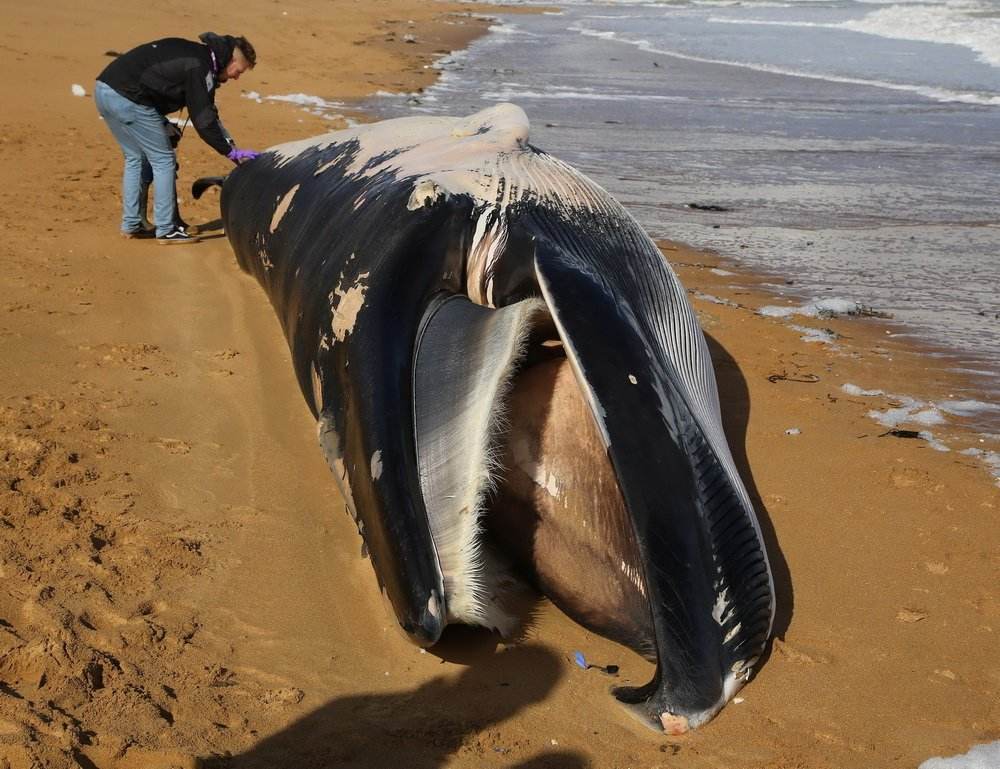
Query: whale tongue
pixel 642 363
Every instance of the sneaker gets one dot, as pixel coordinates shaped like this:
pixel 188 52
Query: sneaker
pixel 138 232
pixel 177 235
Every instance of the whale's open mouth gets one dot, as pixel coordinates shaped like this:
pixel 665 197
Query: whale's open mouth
pixel 550 425
pixel 515 478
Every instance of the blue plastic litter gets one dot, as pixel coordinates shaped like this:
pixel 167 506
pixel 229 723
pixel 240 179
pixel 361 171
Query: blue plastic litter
pixel 581 660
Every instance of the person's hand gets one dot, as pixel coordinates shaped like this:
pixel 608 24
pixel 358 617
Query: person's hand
pixel 239 157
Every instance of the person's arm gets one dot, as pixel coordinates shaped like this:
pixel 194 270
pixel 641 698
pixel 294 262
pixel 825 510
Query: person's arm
pixel 204 115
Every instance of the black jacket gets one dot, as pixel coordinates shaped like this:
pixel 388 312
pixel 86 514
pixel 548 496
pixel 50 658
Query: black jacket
pixel 173 73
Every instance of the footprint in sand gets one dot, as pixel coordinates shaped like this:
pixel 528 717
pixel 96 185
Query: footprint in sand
pixel 801 654
pixel 286 696
pixel 217 356
pixel 905 477
pixel 910 616
pixel 173 445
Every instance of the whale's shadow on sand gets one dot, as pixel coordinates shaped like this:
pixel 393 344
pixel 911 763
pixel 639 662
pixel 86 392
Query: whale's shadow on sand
pixel 421 728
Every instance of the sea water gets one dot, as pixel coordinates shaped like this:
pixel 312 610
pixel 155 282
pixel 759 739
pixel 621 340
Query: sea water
pixel 854 146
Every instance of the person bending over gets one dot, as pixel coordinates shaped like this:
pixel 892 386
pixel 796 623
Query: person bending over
pixel 136 92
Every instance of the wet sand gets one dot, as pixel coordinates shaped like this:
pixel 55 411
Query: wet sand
pixel 180 585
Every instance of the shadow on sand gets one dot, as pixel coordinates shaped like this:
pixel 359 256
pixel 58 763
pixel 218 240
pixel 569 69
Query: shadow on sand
pixel 444 720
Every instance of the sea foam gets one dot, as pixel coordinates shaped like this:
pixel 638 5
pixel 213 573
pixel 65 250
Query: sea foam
pixel 930 92
pixel 820 308
pixel 980 757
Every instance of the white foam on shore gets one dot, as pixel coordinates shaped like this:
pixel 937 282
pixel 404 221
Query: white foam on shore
pixel 908 414
pixel 713 299
pixel 821 308
pixel 506 28
pixel 980 757
pixel 815 334
pixel 515 91
pixel 966 408
pixel 913 411
pixel 720 271
pixel 965 25
pixel 930 92
pixel 853 389
pixel 302 99
pixel 990 458
pixel 933 442
pixel 314 105
pixel 451 61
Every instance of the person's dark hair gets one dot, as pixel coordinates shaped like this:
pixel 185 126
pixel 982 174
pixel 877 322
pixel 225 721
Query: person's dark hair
pixel 247 50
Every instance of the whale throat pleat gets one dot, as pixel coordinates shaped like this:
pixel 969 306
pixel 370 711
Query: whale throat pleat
pixel 465 358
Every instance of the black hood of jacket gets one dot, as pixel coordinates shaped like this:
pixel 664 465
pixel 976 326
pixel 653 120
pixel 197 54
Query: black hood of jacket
pixel 221 45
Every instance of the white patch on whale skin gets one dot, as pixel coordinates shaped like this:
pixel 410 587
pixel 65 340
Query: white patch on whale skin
pixel 317 388
pixel 731 684
pixel 376 465
pixel 329 441
pixel 721 604
pixel 425 193
pixel 485 155
pixel 282 208
pixel 351 301
pixel 344 483
pixel 488 243
pixel 439 142
pixel 434 606
pixel 326 166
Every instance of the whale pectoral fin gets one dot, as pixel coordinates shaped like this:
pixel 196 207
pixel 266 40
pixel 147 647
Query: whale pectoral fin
pixel 705 571
pixel 465 357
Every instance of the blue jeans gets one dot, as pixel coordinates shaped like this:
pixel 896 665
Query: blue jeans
pixel 148 158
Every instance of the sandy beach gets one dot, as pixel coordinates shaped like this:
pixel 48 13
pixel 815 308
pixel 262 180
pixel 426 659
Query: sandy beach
pixel 181 586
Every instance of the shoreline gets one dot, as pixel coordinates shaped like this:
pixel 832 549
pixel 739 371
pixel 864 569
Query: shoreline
pixel 866 326
pixel 870 348
pixel 182 586
pixel 964 370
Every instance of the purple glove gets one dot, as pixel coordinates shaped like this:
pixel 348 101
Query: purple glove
pixel 241 156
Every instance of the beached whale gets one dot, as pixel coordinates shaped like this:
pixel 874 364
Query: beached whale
pixel 504 369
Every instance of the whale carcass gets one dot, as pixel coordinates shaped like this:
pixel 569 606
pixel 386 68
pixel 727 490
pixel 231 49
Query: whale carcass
pixel 445 288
